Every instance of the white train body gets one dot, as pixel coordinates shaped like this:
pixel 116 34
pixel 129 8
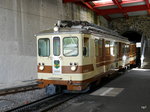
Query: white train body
pixel 75 57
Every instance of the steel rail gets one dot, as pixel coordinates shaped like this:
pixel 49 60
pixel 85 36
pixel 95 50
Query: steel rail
pixel 44 104
pixel 18 89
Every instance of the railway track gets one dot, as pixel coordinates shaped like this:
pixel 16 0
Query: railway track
pixel 44 104
pixel 18 89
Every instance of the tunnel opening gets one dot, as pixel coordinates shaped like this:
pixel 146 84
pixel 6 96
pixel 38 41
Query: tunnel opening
pixel 132 36
pixel 135 37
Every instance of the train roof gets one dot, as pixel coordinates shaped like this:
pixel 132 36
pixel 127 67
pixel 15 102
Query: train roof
pixel 67 27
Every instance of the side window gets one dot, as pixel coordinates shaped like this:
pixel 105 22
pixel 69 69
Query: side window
pixel 86 46
pixel 100 47
pixel 44 47
pixel 96 47
pixel 123 48
pixel 107 47
pixel 127 48
pixel 116 49
pixel 112 48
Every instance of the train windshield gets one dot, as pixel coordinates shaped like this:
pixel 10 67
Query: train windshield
pixel 56 46
pixel 44 47
pixel 70 46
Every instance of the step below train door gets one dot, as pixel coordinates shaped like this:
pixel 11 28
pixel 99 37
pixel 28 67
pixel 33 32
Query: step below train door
pixel 56 62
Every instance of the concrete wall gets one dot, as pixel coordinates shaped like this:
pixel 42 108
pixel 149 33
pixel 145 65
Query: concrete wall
pixel 19 21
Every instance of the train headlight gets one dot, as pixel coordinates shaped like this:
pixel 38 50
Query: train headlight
pixel 73 68
pixel 41 67
pixel 56 28
pixel 124 58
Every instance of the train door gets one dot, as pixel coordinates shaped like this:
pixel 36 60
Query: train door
pixel 56 60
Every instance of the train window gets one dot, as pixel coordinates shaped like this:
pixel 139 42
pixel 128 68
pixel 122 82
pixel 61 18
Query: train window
pixel 44 47
pixel 112 48
pixel 56 46
pixel 123 48
pixel 96 47
pixel 107 46
pixel 70 46
pixel 100 47
pixel 86 47
pixel 127 48
pixel 116 48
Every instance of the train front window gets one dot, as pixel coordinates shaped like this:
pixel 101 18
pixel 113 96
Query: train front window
pixel 56 46
pixel 70 46
pixel 44 47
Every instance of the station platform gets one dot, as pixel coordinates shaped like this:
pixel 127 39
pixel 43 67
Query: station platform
pixel 129 92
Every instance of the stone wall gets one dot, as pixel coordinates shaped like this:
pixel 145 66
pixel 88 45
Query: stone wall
pixel 139 24
pixel 19 21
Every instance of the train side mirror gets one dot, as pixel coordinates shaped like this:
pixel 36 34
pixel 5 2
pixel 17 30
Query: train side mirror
pixel 84 51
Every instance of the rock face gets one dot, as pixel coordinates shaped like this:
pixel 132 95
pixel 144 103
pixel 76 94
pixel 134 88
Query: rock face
pixel 139 24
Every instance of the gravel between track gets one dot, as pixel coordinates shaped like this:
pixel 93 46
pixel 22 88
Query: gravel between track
pixel 61 107
pixel 13 100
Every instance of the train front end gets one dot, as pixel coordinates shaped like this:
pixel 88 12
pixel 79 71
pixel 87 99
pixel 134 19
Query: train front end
pixel 59 61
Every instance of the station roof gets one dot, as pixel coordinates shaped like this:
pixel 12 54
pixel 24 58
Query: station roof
pixel 111 9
